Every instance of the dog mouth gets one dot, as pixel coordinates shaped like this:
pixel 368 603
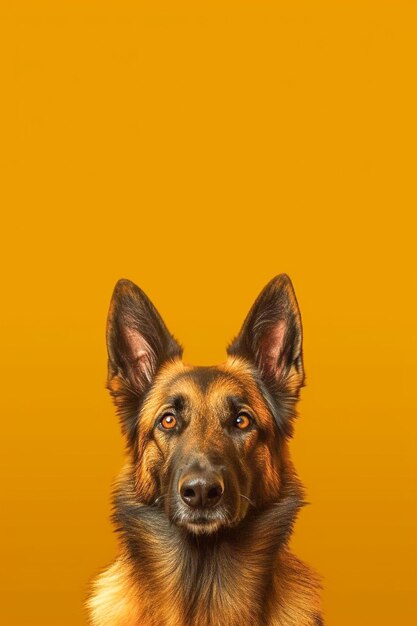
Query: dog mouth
pixel 203 526
pixel 203 521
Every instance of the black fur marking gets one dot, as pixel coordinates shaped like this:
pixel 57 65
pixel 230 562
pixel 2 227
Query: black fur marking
pixel 204 375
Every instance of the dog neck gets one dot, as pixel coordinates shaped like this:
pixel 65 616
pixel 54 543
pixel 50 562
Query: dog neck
pixel 221 578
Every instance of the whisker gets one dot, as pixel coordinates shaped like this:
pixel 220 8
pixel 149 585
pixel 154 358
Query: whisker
pixel 246 498
pixel 158 499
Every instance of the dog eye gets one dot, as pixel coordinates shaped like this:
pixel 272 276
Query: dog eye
pixel 168 421
pixel 242 421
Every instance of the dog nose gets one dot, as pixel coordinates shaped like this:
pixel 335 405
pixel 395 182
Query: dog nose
pixel 201 491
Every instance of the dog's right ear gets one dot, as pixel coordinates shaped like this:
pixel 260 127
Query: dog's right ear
pixel 138 343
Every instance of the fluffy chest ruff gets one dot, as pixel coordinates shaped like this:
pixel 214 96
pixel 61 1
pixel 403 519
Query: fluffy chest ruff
pixel 166 576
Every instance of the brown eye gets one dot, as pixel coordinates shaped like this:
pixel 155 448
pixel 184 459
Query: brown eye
pixel 168 421
pixel 242 421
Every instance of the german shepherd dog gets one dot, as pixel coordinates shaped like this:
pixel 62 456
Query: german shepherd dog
pixel 207 501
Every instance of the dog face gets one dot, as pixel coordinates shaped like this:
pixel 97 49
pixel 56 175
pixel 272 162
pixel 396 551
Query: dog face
pixel 206 442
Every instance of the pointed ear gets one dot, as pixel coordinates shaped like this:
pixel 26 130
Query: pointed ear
pixel 138 343
pixel 271 338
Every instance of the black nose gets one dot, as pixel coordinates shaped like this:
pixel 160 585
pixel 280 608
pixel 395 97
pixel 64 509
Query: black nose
pixel 201 490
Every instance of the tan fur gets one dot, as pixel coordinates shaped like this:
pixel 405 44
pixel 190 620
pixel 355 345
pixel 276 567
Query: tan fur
pixel 293 601
pixel 114 598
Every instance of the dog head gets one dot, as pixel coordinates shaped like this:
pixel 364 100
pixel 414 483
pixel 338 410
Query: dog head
pixel 206 442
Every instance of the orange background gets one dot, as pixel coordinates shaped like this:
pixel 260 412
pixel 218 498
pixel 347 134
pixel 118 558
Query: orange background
pixel 199 149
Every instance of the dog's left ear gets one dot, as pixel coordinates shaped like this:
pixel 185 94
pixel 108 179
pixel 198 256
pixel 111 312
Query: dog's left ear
pixel 271 338
pixel 138 343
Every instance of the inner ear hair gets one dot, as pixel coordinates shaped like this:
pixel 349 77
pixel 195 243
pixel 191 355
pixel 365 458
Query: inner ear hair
pixel 271 335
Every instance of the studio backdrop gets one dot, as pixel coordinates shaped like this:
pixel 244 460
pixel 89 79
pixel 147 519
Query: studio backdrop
pixel 200 149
